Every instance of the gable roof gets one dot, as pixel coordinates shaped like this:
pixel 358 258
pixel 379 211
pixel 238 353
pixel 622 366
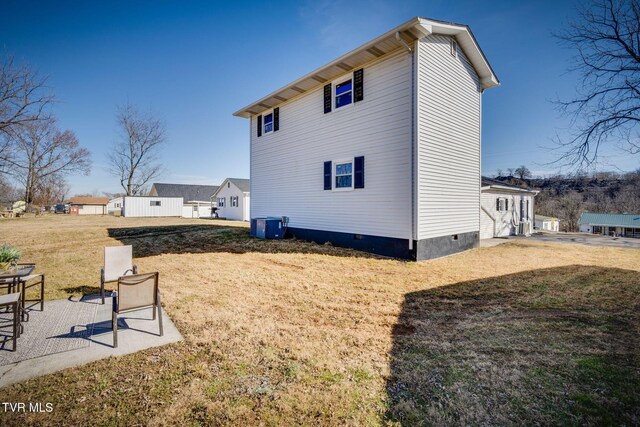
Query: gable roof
pixel 411 30
pixel 188 192
pixel 487 183
pixel 89 200
pixel 242 183
pixel 607 219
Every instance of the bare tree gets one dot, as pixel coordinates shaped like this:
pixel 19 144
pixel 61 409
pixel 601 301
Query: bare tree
pixel 510 171
pixel 8 193
pixel 134 159
pixel 24 97
pixel 522 172
pixel 499 173
pixel 51 190
pixel 43 152
pixel 606 38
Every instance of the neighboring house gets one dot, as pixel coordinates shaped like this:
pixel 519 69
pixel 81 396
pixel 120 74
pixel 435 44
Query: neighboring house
pixel 145 206
pixel 232 199
pixel 548 223
pixel 378 150
pixel 197 198
pixel 624 225
pixel 505 210
pixel 88 205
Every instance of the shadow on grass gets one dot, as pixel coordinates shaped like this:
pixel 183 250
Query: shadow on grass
pixel 550 346
pixel 179 239
pixel 84 290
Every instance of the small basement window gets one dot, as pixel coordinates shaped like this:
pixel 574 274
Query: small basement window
pixel 344 175
pixel 344 93
pixel 268 123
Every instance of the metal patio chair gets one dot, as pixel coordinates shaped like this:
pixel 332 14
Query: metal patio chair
pixel 118 261
pixel 136 292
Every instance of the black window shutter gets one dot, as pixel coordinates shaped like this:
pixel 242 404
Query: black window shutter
pixel 506 204
pixel 358 85
pixel 327 98
pixel 327 175
pixel 498 204
pixel 358 172
pixel 260 125
pixel 276 119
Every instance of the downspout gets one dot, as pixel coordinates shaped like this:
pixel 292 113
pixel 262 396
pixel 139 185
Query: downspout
pixel 413 137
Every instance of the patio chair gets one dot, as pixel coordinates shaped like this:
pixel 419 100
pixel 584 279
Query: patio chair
pixel 11 303
pixel 136 292
pixel 118 261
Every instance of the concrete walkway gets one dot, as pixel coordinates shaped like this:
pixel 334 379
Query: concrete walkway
pixel 588 239
pixel 136 331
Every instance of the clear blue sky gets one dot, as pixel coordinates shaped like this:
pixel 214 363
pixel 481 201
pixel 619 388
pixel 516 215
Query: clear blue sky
pixel 193 63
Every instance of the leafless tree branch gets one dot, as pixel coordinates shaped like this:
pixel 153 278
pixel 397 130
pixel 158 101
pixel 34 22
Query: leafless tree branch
pixel 606 38
pixel 134 159
pixel 44 153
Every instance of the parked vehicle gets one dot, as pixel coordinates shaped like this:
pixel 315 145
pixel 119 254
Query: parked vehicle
pixel 61 209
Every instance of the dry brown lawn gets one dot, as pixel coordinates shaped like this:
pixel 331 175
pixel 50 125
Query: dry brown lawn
pixel 294 333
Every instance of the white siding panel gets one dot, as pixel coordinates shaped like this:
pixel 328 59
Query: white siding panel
pixel 92 210
pixel 287 166
pixel 504 223
pixel 228 190
pixel 141 206
pixel 448 171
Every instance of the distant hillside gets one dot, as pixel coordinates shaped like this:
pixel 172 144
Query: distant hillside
pixel 566 197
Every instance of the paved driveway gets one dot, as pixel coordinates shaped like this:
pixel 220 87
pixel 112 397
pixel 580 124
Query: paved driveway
pixel 588 239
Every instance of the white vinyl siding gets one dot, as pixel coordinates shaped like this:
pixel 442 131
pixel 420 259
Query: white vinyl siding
pixel 287 166
pixel 448 152
pixel 238 213
pixel 91 209
pixel 141 206
pixel 496 223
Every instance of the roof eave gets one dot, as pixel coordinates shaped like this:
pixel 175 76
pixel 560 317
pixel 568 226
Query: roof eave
pixel 416 28
pixel 505 188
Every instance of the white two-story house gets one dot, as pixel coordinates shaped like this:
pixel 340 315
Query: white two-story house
pixel 378 150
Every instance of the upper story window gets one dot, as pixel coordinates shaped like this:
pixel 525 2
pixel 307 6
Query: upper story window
pixel 343 175
pixel 221 202
pixel 454 48
pixel 344 93
pixel 268 123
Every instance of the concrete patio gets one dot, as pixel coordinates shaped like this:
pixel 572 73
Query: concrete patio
pixel 74 332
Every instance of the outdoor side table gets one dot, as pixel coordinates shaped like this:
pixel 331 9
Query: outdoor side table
pixel 12 279
pixel 12 301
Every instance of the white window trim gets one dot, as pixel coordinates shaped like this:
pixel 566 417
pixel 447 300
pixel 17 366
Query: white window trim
pixel 264 116
pixel 333 174
pixel 503 202
pixel 223 202
pixel 334 86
